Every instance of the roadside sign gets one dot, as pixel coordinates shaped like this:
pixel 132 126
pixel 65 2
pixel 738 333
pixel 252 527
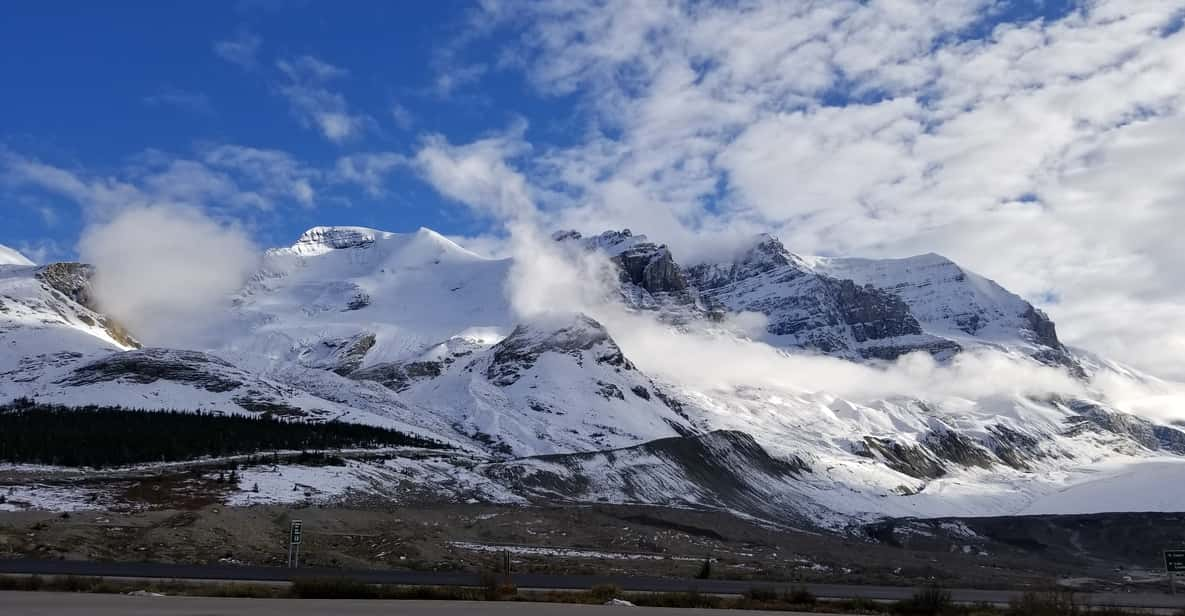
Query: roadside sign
pixel 294 535
pixel 1174 560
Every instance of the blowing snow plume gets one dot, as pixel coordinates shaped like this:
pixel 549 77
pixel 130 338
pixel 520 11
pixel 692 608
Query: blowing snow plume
pixel 165 271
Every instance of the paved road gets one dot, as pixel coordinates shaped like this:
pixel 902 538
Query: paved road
pixel 550 582
pixel 74 604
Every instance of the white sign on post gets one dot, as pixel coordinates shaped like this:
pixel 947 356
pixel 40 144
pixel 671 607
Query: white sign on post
pixel 294 538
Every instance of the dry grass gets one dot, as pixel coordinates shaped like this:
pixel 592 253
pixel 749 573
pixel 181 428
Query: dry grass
pixel 927 602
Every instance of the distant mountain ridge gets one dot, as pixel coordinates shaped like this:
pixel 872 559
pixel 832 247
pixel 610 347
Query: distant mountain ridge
pixel 414 332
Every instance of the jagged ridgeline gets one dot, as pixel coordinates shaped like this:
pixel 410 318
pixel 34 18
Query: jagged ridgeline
pixel 100 436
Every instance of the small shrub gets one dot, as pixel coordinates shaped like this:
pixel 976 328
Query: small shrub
pixel 15 582
pixel 705 570
pixel 691 598
pixel 799 596
pixel 762 594
pixel 932 601
pixel 331 588
pixel 73 583
pixel 861 606
pixel 238 590
pixel 1045 604
pixel 605 592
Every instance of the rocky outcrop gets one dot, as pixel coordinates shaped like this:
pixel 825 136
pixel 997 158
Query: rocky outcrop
pixel 871 314
pixel 1014 448
pixel 957 448
pixel 765 256
pixel 644 267
pixel 813 311
pixel 1041 327
pixel 523 347
pixel 651 267
pixel 723 469
pixel 1089 416
pixel 909 460
pixel 320 239
pixel 73 281
pixel 151 365
pixel 399 376
pixel 352 355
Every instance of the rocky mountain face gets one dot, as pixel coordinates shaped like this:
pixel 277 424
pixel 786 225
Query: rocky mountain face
pixel 956 305
pixel 648 275
pixel 415 332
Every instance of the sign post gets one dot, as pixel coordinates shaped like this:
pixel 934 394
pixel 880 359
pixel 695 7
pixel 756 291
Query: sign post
pixel 1174 563
pixel 294 537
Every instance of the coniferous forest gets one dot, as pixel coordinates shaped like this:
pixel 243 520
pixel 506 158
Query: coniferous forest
pixel 100 436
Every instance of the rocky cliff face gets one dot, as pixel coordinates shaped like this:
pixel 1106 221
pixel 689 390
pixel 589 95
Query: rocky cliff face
pixel 956 305
pixel 650 277
pixel 73 280
pixel 320 239
pixel 810 310
pixel 526 344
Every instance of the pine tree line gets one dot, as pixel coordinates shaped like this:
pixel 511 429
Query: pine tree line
pixel 99 436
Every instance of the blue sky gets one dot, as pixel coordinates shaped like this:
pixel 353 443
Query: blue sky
pixel 1034 142
pixel 92 87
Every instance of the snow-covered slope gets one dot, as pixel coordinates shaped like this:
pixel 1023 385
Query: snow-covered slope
pixel 550 386
pixel 46 315
pixel 59 348
pixel 8 256
pixel 349 297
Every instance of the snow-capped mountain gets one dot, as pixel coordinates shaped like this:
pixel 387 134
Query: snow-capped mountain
pixel 344 298
pixel 414 331
pixel 8 256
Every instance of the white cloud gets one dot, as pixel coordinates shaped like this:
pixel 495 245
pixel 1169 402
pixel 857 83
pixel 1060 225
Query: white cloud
pixel 308 68
pixel 43 250
pixel 226 178
pixel 479 174
pixel 194 102
pixel 452 77
pixel 1042 154
pixel 100 195
pixel 402 116
pixel 167 271
pixel 368 170
pixel 316 106
pixel 242 50
pixel 275 173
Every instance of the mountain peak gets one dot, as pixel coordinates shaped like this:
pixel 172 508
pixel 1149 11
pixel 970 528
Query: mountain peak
pixel 424 242
pixel 9 256
pixel 612 242
pixel 323 239
pixel 768 249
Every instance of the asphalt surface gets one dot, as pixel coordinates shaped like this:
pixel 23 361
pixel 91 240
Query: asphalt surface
pixel 540 581
pixel 74 604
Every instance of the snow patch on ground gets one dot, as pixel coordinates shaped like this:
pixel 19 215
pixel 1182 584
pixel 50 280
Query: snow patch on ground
pixel 1135 486
pixel 527 550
